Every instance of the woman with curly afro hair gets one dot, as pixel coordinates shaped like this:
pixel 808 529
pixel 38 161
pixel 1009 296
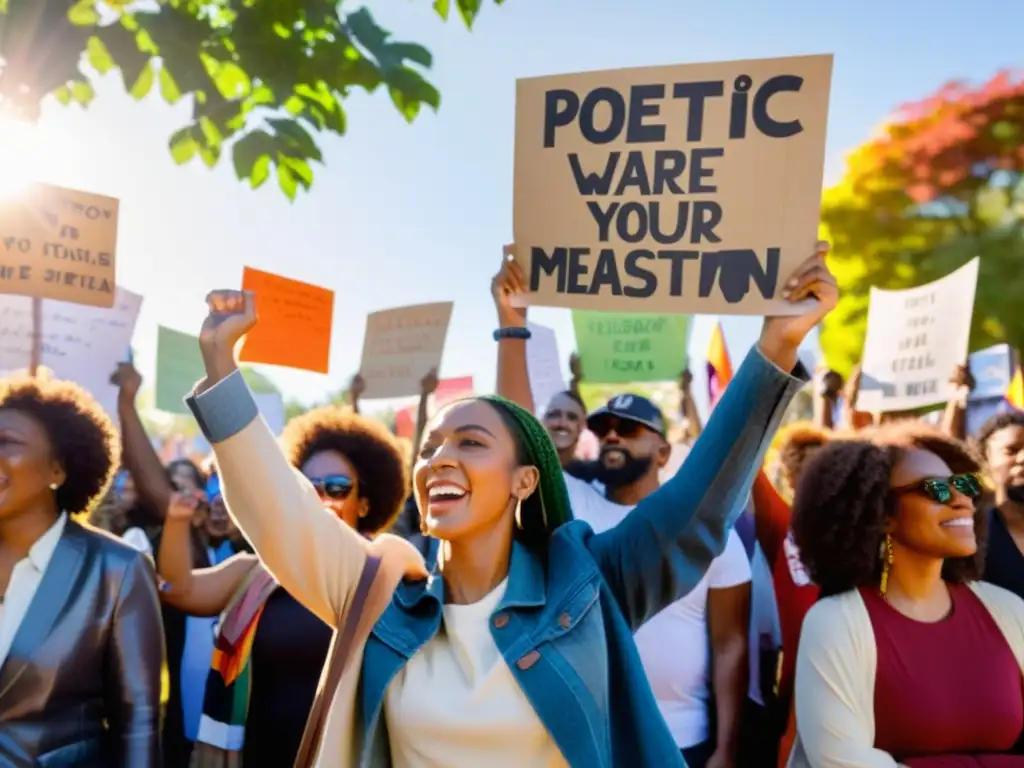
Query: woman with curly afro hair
pixel 81 645
pixel 907 657
pixel 359 472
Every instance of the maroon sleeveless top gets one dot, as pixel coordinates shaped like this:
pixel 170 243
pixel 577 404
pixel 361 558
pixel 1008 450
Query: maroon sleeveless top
pixel 948 688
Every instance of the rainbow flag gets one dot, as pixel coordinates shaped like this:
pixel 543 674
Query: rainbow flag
pixel 719 366
pixel 1015 392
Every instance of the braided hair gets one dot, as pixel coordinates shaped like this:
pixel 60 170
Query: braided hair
pixel 548 507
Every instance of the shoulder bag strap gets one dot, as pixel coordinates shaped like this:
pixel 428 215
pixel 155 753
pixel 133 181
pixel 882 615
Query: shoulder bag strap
pixel 341 647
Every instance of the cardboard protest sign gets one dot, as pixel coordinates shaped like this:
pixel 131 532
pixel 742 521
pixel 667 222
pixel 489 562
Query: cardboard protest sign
pixel 58 243
pixel 618 348
pixel 294 329
pixel 77 342
pixel 179 365
pixel 401 345
pixel 689 189
pixel 915 338
pixel 544 364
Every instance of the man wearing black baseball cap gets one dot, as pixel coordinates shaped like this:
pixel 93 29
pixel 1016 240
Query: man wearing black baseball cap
pixel 634 448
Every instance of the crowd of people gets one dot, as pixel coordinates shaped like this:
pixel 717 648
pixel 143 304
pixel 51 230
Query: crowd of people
pixel 322 598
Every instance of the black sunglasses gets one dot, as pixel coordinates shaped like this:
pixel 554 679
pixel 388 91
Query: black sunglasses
pixel 940 489
pixel 602 425
pixel 337 487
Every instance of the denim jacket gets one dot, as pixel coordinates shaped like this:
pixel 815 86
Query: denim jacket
pixel 565 624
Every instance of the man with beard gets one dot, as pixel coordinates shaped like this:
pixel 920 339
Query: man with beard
pixel 704 719
pixel 1001 441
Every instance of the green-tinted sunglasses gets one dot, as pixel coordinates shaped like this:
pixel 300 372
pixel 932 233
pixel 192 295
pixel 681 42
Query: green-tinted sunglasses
pixel 941 489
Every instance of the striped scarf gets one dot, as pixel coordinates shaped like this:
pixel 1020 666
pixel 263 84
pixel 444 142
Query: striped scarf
pixel 229 683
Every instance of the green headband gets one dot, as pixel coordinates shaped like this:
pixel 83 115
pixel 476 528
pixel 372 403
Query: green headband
pixel 552 496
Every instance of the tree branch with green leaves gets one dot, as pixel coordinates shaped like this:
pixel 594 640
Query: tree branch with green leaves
pixel 267 78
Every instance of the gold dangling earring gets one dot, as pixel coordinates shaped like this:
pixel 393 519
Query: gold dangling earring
pixel 886 555
pixel 519 513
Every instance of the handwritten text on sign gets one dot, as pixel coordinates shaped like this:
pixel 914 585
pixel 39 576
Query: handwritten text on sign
pixel 401 346
pixel 915 338
pixel 79 343
pixel 294 329
pixel 58 243
pixel 625 348
pixel 690 188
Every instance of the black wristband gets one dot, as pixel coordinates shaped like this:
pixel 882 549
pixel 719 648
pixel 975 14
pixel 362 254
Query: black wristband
pixel 512 333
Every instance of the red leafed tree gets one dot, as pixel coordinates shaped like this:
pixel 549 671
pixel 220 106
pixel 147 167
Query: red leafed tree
pixel 939 183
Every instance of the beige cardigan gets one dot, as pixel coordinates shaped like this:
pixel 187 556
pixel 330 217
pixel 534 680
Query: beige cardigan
pixel 314 556
pixel 835 678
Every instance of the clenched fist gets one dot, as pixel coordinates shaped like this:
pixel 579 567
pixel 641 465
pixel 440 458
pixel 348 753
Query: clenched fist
pixel 231 315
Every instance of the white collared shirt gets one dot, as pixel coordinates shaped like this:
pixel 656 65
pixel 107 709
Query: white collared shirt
pixel 25 578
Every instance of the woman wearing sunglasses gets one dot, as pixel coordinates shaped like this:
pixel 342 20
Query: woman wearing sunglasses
pixel 266 641
pixel 906 658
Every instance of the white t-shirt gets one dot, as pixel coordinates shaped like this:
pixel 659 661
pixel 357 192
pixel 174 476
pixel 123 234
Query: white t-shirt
pixel 457 704
pixel 674 645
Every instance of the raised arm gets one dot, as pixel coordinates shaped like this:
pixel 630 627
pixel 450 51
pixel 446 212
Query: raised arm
pixel 151 480
pixel 659 552
pixel 196 591
pixel 311 553
pixel 772 516
pixel 513 382
pixel 135 656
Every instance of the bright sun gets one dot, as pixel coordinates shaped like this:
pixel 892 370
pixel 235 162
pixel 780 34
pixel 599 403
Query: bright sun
pixel 20 156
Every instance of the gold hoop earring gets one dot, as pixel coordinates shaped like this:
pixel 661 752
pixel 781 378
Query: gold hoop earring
pixel 519 513
pixel 885 553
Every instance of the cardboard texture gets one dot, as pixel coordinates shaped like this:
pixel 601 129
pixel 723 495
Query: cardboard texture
pixel 687 189
pixel 401 345
pixel 58 243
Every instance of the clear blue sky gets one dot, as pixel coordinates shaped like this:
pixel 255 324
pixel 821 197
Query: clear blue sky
pixel 404 214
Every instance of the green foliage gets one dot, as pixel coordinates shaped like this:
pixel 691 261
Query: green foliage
pixel 940 184
pixel 265 77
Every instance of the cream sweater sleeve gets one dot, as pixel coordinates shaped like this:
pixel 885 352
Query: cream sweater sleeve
pixel 313 555
pixel 834 689
pixel 310 552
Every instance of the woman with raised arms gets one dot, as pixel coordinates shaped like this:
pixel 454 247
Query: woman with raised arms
pixel 516 647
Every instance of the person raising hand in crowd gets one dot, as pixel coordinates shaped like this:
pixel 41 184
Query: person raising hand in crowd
pixel 530 600
pixel 634 449
pixel 358 472
pixel 188 639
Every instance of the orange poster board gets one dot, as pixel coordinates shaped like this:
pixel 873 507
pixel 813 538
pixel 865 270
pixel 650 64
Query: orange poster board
pixel 294 329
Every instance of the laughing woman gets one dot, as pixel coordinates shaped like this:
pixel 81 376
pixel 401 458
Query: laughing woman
pixel 907 658
pixel 516 649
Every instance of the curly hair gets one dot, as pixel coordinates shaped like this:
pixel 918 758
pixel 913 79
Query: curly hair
pixel 369 447
pixel 796 442
pixel 82 438
pixel 843 501
pixel 996 423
